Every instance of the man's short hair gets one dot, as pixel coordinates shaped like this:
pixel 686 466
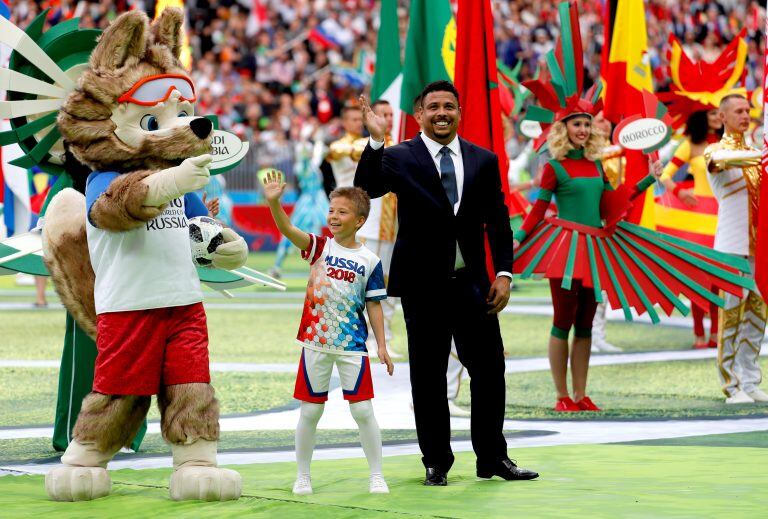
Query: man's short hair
pixel 439 86
pixel 727 99
pixel 359 198
pixel 416 103
pixel 350 108
pixel 379 102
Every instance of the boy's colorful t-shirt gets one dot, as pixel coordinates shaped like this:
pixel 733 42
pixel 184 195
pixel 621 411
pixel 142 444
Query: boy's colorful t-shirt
pixel 341 280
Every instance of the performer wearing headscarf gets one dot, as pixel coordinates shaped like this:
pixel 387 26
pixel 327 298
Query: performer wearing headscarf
pixel 338 168
pixel 588 247
pixel 693 100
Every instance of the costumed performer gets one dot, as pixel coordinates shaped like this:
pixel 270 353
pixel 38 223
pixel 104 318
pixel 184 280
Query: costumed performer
pixel 733 168
pixel 338 168
pixel 120 259
pixel 588 247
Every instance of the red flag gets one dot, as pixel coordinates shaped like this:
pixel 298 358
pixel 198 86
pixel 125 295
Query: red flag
pixel 477 81
pixel 476 78
pixel 761 247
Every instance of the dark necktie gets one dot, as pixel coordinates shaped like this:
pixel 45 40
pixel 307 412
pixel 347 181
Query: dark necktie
pixel 448 175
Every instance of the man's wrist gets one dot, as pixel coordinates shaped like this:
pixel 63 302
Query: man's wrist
pixel 504 274
pixel 374 143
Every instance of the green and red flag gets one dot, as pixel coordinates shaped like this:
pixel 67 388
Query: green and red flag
pixel 430 54
pixel 388 72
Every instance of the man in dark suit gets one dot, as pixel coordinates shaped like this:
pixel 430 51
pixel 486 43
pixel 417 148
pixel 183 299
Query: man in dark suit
pixel 449 194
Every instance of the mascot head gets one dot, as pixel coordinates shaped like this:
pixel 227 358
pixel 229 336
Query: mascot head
pixel 134 105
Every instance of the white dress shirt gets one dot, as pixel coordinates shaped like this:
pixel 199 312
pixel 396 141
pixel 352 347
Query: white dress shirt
pixel 434 148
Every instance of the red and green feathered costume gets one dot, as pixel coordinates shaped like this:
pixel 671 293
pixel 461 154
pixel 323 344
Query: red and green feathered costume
pixel 588 248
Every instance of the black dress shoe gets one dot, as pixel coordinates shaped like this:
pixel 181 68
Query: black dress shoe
pixel 435 478
pixel 505 469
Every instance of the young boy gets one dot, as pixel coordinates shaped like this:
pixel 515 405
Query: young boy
pixel 345 278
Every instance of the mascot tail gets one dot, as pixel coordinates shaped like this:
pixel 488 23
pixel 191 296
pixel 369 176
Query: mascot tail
pixel 65 252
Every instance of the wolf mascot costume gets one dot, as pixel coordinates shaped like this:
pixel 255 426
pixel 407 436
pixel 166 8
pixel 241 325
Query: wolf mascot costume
pixel 120 260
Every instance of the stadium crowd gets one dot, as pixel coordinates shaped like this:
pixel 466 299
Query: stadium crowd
pixel 277 72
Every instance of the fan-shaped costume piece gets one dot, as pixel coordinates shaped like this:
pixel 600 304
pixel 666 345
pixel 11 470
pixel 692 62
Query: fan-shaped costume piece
pixel 701 85
pixel 588 245
pixel 559 86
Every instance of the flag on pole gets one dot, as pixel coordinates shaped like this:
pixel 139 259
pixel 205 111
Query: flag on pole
pixel 477 81
pixel 626 72
pixel 430 53
pixel 761 247
pixel 388 72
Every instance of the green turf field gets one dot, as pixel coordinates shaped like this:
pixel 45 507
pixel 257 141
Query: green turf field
pixel 267 336
pixel 577 481
pixel 701 476
pixel 654 390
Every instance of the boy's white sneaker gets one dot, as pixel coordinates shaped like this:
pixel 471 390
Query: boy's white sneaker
pixel 378 485
pixel 758 395
pixel 303 485
pixel 739 397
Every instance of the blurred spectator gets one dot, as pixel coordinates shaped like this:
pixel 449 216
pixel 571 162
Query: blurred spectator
pixel 270 68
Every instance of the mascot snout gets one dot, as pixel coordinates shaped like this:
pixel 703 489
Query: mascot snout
pixel 201 127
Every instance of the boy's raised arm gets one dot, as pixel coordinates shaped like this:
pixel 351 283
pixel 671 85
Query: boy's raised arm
pixel 273 190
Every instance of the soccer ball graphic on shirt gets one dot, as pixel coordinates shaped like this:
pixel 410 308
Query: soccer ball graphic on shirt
pixel 204 237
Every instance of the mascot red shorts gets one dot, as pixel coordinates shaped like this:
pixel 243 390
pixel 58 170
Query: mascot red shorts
pixel 141 350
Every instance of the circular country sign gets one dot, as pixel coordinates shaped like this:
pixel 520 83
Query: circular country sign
pixel 530 129
pixel 642 133
pixel 228 151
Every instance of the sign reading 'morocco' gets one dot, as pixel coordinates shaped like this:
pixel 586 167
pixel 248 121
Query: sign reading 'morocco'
pixel 644 134
pixel 530 129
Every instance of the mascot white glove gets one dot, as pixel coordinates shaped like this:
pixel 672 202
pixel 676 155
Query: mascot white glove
pixel 232 253
pixel 171 183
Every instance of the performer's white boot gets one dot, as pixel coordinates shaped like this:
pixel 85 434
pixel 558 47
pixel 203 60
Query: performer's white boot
pixel 196 476
pixel 599 342
pixel 83 476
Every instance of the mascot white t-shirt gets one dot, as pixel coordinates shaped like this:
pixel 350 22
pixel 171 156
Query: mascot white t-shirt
pixel 148 267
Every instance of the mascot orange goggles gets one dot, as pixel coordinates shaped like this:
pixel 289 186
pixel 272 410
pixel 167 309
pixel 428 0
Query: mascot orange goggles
pixel 153 90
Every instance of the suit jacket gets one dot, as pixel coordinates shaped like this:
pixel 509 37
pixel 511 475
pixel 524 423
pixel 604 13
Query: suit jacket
pixel 425 247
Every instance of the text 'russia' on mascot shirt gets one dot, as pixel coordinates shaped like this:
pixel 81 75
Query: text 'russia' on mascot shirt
pixel 157 252
pixel 341 280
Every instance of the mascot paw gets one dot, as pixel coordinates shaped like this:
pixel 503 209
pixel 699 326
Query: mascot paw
pixel 231 254
pixel 77 483
pixel 206 484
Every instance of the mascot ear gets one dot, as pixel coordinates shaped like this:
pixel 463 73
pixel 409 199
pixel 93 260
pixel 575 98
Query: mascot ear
pixel 166 29
pixel 123 43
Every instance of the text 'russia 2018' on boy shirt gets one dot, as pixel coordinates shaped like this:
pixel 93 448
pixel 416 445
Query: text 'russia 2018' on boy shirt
pixel 341 280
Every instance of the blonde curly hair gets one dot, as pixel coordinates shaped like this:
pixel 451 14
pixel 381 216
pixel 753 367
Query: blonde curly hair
pixel 559 144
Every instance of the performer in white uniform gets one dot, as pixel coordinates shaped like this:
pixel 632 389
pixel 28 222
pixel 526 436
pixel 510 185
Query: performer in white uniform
pixel 734 174
pixel 379 231
pixel 339 158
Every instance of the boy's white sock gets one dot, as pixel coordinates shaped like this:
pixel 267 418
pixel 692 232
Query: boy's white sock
pixel 370 436
pixel 305 434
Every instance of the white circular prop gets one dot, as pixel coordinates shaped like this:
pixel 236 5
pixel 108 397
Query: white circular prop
pixel 228 151
pixel 642 134
pixel 530 129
